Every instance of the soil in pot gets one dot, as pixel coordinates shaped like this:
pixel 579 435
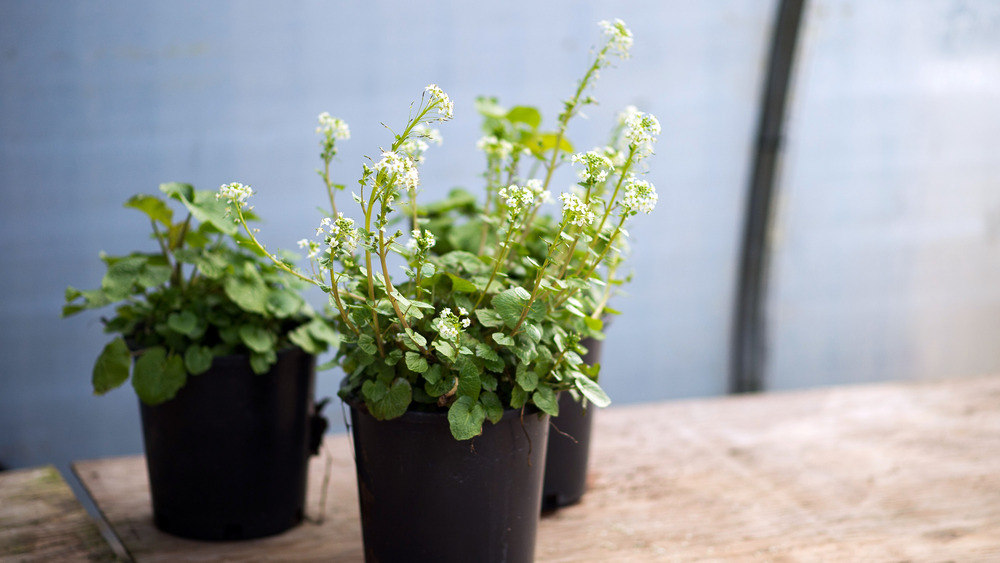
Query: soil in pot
pixel 426 497
pixel 228 456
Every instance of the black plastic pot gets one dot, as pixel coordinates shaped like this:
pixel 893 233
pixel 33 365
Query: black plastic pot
pixel 426 497
pixel 569 445
pixel 228 456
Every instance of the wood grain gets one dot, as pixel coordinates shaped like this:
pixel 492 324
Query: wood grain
pixel 41 520
pixel 886 472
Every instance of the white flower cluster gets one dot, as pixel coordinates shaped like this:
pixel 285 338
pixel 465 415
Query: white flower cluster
pixel 575 210
pixel 421 241
pixel 446 109
pixel 495 148
pixel 340 237
pixel 619 37
pixel 398 170
pixel 641 130
pixel 517 198
pixel 596 166
pixel 418 143
pixel 333 127
pixel 538 189
pixel 450 325
pixel 640 195
pixel 236 194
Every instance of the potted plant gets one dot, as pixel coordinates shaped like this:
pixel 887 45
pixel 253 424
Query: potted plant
pixel 453 370
pixel 220 350
pixel 510 134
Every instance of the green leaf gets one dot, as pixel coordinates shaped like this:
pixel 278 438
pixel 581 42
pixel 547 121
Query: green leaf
pixel 526 378
pixel 416 338
pixel 111 367
pixel 303 339
pixel 547 141
pixel 122 276
pixel 518 397
pixel 503 340
pixel 532 332
pixel 178 190
pixel 211 265
pixel 203 205
pixel 490 357
pixel 591 390
pixel 261 362
pixel 469 384
pixel 257 338
pixel 248 290
pixel 446 349
pixel 593 324
pixel 465 417
pixel 367 344
pixel 185 323
pixel 386 402
pixel 489 318
pixel 491 402
pixel 510 303
pixel 157 376
pixel 416 362
pixel 525 114
pixel 461 285
pixel 197 359
pixel 284 303
pixel 152 275
pixel 546 400
pixel 154 207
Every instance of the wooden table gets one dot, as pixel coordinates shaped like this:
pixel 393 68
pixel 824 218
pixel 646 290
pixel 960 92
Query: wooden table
pixel 885 472
pixel 41 520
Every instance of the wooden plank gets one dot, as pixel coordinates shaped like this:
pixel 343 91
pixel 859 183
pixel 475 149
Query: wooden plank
pixel 42 520
pixel 120 488
pixel 888 472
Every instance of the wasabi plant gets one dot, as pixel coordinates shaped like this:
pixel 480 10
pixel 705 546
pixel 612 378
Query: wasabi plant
pixel 192 299
pixel 497 293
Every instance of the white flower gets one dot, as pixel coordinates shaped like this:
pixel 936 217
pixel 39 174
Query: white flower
pixel 641 130
pixel 445 107
pixel 333 127
pixel 575 210
pixel 398 169
pixel 640 195
pixel 538 189
pixel 340 237
pixel 449 325
pixel 596 166
pixel 494 147
pixel 235 193
pixel 422 240
pixel 619 37
pixel 517 198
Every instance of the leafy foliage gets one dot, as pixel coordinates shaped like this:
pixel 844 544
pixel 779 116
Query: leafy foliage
pixel 197 298
pixel 497 293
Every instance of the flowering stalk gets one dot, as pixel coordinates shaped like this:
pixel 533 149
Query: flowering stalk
pixel 619 40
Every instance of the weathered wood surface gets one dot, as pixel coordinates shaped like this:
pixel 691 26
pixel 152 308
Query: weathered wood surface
pixel 887 472
pixel 41 520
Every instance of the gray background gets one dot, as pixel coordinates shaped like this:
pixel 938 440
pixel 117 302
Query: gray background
pixel 886 254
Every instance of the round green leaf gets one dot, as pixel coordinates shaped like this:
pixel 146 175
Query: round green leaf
pixel 111 368
pixel 197 359
pixel 157 376
pixel 465 417
pixel 257 338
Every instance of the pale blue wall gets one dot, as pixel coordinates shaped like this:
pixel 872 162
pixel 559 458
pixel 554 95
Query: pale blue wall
pixel 887 236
